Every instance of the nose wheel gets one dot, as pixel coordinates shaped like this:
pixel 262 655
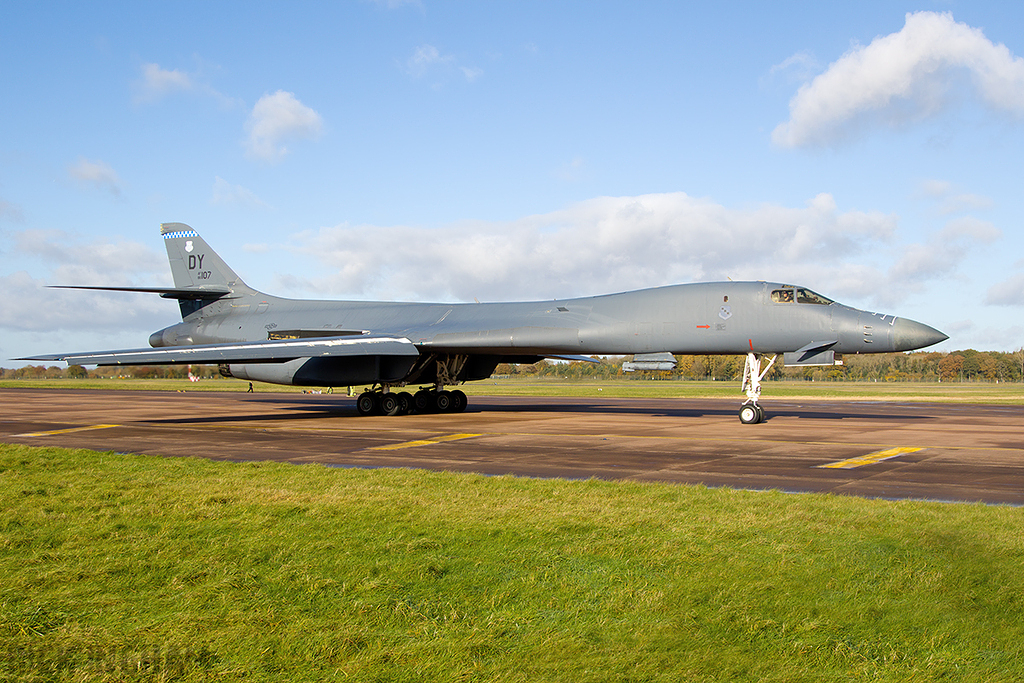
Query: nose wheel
pixel 751 414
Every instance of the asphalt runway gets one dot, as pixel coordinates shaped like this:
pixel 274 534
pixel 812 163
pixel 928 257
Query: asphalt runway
pixel 948 452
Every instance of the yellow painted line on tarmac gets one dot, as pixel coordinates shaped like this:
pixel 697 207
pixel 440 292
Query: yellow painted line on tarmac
pixel 68 431
pixel 870 458
pixel 423 442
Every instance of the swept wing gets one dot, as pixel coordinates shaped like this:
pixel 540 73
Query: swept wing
pixel 274 351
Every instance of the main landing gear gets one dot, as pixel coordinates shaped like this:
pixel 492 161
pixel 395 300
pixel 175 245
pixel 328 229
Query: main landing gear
pixel 750 412
pixel 442 369
pixel 380 401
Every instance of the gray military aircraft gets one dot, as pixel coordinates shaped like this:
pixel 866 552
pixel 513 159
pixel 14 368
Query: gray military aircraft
pixel 390 345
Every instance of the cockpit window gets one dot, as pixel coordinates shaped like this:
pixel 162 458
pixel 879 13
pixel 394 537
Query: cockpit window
pixel 800 295
pixel 806 296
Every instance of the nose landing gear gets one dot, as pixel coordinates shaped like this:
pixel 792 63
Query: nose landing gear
pixel 751 412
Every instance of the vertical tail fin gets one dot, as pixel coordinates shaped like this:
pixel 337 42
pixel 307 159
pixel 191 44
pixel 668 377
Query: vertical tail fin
pixel 194 265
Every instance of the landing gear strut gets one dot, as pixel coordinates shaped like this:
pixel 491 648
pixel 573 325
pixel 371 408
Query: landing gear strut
pixel 751 412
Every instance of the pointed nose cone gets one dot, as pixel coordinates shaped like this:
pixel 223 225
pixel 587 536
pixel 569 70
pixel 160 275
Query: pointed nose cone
pixel 908 335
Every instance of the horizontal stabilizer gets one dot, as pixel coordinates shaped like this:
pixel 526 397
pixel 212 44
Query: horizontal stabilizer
pixel 165 292
pixel 274 351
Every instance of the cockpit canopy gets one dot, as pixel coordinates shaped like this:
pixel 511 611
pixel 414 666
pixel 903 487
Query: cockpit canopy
pixel 787 294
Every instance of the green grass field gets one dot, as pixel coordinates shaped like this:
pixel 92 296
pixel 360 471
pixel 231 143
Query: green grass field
pixel 969 392
pixel 121 567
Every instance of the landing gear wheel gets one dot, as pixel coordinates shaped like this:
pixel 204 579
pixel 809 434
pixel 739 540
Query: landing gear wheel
pixel 751 413
pixel 389 404
pixel 366 404
pixel 405 405
pixel 422 401
pixel 443 401
pixel 459 401
pixel 760 413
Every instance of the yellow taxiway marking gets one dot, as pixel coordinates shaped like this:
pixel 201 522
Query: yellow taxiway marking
pixel 870 458
pixel 68 431
pixel 423 442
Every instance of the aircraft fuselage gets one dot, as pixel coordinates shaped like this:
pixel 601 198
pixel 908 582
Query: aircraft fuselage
pixel 699 318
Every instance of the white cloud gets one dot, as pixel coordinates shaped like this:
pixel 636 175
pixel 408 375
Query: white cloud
pixel 602 245
pixel 612 244
pixel 427 59
pixel 29 305
pixel 471 73
pixel 96 174
pixel 1009 292
pixel 572 171
pixel 940 255
pixel 951 202
pixel 275 119
pixel 800 66
pixel 225 193
pixel 970 229
pixel 937 189
pixel 97 263
pixel 907 75
pixel 157 83
pixel 966 201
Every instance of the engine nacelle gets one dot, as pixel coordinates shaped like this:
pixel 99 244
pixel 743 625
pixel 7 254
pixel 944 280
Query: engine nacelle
pixel 175 335
pixel 338 371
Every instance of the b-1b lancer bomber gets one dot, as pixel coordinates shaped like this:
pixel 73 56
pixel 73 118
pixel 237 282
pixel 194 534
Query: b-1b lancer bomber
pixel 392 345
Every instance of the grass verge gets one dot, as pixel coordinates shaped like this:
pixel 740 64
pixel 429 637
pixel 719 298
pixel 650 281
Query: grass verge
pixel 125 567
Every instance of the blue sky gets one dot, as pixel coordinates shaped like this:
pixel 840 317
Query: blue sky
pixel 512 150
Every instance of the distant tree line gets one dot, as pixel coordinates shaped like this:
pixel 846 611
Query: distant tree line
pixel 133 372
pixel 954 366
pixel 924 366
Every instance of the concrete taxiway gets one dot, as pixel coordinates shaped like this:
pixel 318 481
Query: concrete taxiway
pixel 950 452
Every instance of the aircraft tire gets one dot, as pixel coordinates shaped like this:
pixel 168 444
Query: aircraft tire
pixel 459 401
pixel 405 404
pixel 366 404
pixel 760 414
pixel 750 414
pixel 389 404
pixel 421 400
pixel 443 401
